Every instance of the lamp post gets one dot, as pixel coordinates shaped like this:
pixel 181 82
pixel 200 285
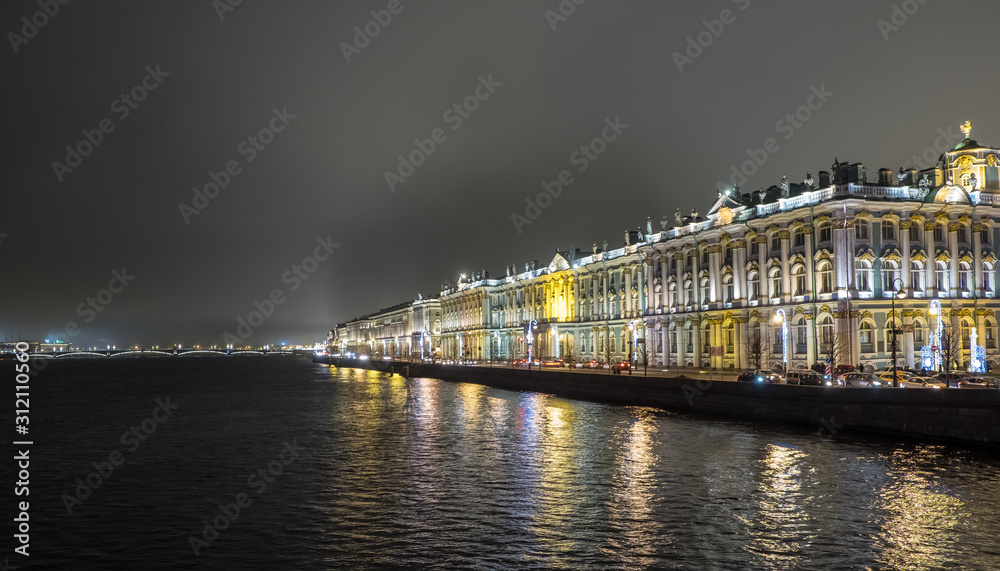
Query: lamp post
pixel 900 293
pixel 782 318
pixel 935 310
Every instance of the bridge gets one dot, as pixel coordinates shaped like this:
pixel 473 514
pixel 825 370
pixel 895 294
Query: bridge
pixel 176 352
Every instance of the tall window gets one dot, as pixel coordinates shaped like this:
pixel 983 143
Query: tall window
pixel 917 276
pixel 964 277
pixel 864 275
pixel 825 233
pixel 990 342
pixel 779 348
pixel 989 278
pixel 984 236
pixel 966 337
pixel 824 275
pixel 800 239
pixel 867 338
pixel 753 285
pixel 915 232
pixel 800 336
pixel 689 340
pixel 704 290
pixel 941 278
pixel 890 271
pixel 706 340
pixel 774 279
pixel 689 292
pixel 918 335
pixel 938 233
pixel 727 282
pixel 776 242
pixel 861 230
pixel 799 279
pixel 730 337
pixel 826 330
pixel 672 294
pixel 888 231
pixel 963 235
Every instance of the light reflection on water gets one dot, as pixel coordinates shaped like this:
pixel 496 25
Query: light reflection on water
pixel 426 473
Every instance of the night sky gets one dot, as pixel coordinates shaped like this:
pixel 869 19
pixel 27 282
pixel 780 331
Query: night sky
pixel 532 86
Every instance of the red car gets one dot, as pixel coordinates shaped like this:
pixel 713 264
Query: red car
pixel 620 366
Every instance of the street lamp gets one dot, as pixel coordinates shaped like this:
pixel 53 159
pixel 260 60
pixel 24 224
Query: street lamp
pixel 935 310
pixel 782 318
pixel 900 293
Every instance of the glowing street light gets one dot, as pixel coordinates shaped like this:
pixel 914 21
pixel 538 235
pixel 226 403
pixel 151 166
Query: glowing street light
pixel 528 335
pixel 782 318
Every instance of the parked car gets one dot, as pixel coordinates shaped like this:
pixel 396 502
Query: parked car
pixel 620 366
pixel 803 378
pixel 595 364
pixel 843 370
pixel 886 377
pixel 554 363
pixel 952 378
pixel 972 383
pixel 921 383
pixel 864 380
pixel 752 377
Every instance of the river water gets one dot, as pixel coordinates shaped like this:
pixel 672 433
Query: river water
pixel 363 470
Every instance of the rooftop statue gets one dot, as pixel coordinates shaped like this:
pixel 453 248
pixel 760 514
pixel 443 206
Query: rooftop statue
pixel 677 217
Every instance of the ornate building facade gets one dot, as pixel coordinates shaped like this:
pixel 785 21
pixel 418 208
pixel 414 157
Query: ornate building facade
pixel 834 267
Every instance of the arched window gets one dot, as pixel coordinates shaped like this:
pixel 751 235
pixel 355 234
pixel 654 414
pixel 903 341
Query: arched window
pixel 799 280
pixel 919 335
pixel 863 269
pixel 706 339
pixel 730 337
pixel 704 290
pixel 672 294
pixel 938 233
pixel 861 230
pixel 774 282
pixel 689 292
pixel 800 239
pixel 727 283
pixel 688 339
pixel 867 338
pixel 991 341
pixel 801 336
pixel 917 276
pixel 824 276
pixel 888 230
pixel 823 230
pixel 966 334
pixel 890 326
pixel 989 278
pixel 941 278
pixel 984 236
pixel 963 234
pixel 890 272
pixel 753 286
pixel 826 330
pixel 964 277
pixel 914 233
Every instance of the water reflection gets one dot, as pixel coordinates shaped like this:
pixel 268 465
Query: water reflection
pixel 920 527
pixel 781 528
pixel 632 514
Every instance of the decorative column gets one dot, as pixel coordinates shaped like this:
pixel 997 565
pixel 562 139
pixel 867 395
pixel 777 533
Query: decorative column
pixel 930 285
pixel 810 339
pixel 904 239
pixel 682 299
pixel 739 269
pixel 648 304
pixel 907 318
pixel 696 280
pixel 786 275
pixel 741 356
pixel 715 332
pixel 953 249
pixel 810 267
pixel 762 269
pixel 696 331
pixel 715 273
pixel 628 291
pixel 977 262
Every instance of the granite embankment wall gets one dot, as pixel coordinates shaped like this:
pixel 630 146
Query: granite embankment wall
pixel 951 414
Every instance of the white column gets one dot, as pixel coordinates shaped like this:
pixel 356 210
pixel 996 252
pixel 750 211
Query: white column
pixel 904 239
pixel 953 243
pixel 786 275
pixel 628 290
pixel 930 286
pixel 977 264
pixel 810 267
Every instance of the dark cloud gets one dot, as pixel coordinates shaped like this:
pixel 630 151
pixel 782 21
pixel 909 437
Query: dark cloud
pixel 324 174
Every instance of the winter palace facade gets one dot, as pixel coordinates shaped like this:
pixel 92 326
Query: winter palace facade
pixel 830 267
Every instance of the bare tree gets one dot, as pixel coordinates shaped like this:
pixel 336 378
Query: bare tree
pixel 758 349
pixel 644 357
pixel 951 346
pixel 837 348
pixel 568 353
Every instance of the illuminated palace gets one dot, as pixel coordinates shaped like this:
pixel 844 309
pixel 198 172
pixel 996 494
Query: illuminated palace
pixel 832 267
